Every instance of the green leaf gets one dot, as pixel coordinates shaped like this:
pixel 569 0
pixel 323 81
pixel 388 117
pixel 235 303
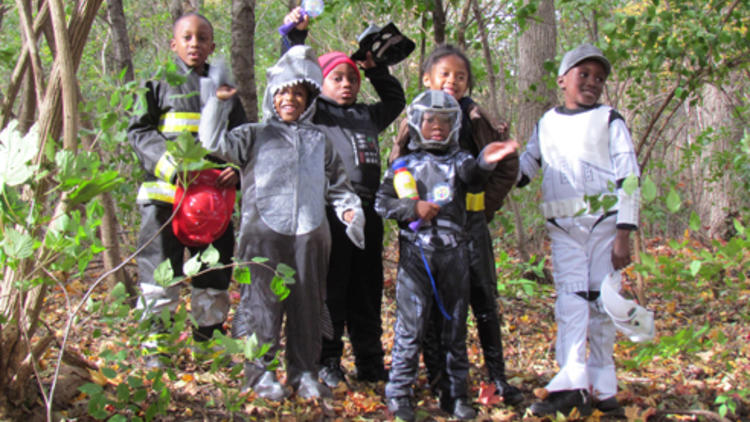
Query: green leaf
pixel 695 221
pixel 286 271
pixel 17 245
pixel 673 201
pixel 210 255
pixel 648 189
pixel 185 149
pixel 192 266
pixel 242 275
pixel 278 287
pixel 109 372
pixel 251 344
pixel 123 393
pixel 163 274
pixel 695 267
pixel 16 152
pixel 88 189
pixel 259 260
pixel 739 227
pixel 90 389
pixel 630 184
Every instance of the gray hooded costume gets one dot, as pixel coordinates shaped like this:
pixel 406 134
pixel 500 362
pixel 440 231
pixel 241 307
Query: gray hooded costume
pixel 290 172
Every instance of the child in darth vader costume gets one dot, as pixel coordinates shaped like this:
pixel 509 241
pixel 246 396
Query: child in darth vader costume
pixel 433 266
pixel 290 172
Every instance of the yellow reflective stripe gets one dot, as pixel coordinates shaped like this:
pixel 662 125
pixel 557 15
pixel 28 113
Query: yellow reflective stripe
pixel 475 201
pixel 157 191
pixel 179 122
pixel 165 167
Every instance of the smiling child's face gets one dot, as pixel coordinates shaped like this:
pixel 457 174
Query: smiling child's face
pixel 450 75
pixel 290 102
pixel 583 84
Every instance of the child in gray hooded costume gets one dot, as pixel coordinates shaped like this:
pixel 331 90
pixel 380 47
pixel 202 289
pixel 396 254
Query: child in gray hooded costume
pixel 289 172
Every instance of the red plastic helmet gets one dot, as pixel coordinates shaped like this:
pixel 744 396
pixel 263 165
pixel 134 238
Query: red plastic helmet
pixel 206 210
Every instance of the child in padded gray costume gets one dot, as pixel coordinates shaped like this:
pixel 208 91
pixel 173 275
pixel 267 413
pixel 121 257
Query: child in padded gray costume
pixel 290 172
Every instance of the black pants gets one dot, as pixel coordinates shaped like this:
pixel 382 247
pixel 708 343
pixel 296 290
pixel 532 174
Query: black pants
pixel 354 293
pixel 483 302
pixel 415 302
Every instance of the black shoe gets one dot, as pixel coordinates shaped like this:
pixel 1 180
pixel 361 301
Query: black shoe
pixel 564 402
pixel 462 409
pixel 308 387
pixel 510 394
pixel 268 387
pixel 372 374
pixel 610 407
pixel 401 407
pixel 331 374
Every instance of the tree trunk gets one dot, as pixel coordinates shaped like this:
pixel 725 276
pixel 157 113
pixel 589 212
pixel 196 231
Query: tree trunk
pixel 463 24
pixel 715 203
pixel 22 66
pixel 27 109
pixel 489 66
pixel 243 55
pixel 535 46
pixel 22 310
pixel 121 41
pixel 438 22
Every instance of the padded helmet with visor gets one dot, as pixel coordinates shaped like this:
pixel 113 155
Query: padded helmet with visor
pixel 434 104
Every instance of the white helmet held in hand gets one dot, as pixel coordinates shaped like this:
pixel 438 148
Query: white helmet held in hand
pixel 630 318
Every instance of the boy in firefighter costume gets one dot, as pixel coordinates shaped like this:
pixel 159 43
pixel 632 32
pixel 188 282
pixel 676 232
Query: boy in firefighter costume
pixel 433 265
pixel 171 110
pixel 583 148
pixel 290 172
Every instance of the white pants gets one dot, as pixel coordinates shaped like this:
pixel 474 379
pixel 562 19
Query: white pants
pixel 581 258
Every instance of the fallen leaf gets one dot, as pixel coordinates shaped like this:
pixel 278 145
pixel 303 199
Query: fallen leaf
pixel 487 395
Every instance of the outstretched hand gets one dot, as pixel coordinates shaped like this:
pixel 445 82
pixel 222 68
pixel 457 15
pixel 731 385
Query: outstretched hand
pixel 496 151
pixel 295 15
pixel 225 92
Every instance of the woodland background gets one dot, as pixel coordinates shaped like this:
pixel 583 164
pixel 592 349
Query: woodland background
pixel 69 343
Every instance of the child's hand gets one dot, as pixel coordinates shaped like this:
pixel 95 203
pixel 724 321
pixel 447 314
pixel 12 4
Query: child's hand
pixel 621 249
pixel 228 178
pixel 426 210
pixel 294 16
pixel 225 92
pixel 348 215
pixel 496 151
pixel 367 63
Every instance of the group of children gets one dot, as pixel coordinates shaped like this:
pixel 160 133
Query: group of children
pixel 312 198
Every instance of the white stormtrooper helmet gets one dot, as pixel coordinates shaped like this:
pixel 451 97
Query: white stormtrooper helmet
pixel 630 318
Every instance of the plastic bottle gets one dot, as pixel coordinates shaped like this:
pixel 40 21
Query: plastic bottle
pixel 403 181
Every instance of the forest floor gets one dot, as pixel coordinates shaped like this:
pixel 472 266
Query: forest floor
pixel 695 372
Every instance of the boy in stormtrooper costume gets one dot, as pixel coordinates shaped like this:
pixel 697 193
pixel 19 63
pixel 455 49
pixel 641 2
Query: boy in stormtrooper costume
pixel 583 148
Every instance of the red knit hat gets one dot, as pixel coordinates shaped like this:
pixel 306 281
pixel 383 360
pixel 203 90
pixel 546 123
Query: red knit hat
pixel 330 60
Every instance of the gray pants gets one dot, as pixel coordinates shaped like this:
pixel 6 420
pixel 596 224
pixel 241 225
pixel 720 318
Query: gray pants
pixel 210 300
pixel 260 310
